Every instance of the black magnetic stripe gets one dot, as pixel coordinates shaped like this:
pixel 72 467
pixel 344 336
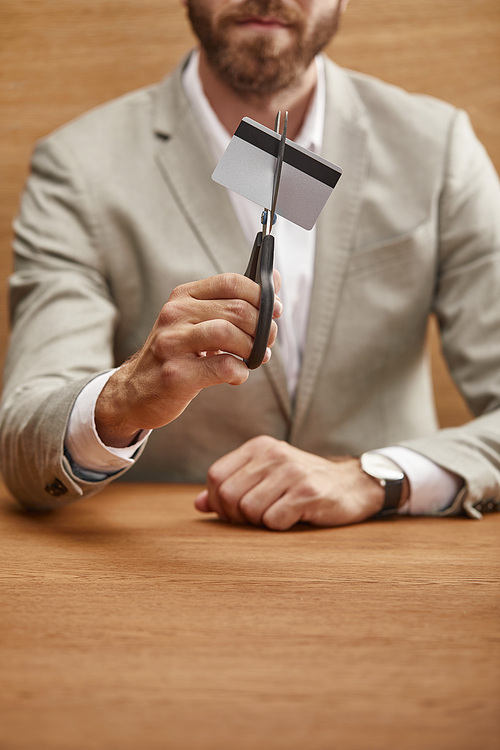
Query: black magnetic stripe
pixel 268 143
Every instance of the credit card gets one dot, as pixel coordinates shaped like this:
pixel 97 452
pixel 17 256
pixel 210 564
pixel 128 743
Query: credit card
pixel 247 167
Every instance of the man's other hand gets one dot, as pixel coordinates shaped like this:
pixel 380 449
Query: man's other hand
pixel 271 483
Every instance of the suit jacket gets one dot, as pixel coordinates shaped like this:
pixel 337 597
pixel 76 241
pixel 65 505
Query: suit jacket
pixel 120 208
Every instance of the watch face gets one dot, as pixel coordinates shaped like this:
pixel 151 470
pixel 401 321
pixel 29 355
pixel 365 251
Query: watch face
pixel 381 467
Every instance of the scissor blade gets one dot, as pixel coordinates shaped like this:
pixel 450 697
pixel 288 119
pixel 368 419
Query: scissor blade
pixel 277 169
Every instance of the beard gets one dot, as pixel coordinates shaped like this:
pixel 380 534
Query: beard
pixel 260 64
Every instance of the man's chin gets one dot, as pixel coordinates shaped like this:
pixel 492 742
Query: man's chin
pixel 258 79
pixel 257 63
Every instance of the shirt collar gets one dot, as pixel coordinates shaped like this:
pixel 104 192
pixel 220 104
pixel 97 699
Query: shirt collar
pixel 310 136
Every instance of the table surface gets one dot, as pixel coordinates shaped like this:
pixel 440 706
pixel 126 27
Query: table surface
pixel 130 621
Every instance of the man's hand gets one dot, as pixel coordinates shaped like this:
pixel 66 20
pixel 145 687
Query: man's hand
pixel 191 346
pixel 271 483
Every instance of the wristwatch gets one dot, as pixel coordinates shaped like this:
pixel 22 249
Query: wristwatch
pixel 390 477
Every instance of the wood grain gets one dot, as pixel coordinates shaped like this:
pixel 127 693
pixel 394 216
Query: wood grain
pixel 129 621
pixel 59 58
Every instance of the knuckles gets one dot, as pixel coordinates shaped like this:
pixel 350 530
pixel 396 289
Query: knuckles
pixel 266 443
pixel 230 285
pixel 171 313
pixel 218 332
pixel 273 450
pixel 249 510
pixel 241 312
pixel 226 496
pixel 215 477
pixel 228 369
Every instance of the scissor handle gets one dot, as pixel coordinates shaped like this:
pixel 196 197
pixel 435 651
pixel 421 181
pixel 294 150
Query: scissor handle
pixel 251 272
pixel 260 269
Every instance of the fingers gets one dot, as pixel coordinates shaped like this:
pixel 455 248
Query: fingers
pixel 269 482
pixel 223 286
pixel 228 297
pixel 183 309
pixel 242 485
pixel 201 502
pixel 230 287
pixel 218 335
pixel 277 281
pixel 218 368
pixel 227 482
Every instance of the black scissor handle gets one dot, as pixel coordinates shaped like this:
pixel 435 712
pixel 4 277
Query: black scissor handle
pixel 260 269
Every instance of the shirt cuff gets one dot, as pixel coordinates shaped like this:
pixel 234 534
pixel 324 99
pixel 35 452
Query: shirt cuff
pixel 82 441
pixel 432 488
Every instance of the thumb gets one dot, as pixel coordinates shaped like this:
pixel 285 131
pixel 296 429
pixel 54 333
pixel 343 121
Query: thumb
pixel 201 502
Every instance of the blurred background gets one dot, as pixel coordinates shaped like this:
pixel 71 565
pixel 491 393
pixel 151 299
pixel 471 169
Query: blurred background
pixel 59 58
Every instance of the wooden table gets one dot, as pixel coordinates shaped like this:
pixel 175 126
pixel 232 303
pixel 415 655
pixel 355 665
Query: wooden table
pixel 130 621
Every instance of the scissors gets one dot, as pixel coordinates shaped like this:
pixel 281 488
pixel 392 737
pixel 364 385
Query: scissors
pixel 261 263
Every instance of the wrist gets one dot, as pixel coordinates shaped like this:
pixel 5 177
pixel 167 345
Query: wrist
pixel 368 493
pixel 110 415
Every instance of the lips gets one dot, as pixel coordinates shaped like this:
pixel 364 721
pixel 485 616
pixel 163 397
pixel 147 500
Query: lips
pixel 263 16
pixel 262 22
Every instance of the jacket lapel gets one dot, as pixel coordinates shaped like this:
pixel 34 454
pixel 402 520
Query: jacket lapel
pixel 187 166
pixel 344 143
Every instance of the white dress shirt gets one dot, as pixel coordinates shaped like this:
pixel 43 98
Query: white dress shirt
pixel 432 488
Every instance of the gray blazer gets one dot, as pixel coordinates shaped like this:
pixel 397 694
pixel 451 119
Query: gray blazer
pixel 120 208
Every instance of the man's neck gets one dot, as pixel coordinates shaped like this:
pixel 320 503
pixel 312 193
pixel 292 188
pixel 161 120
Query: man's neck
pixel 231 107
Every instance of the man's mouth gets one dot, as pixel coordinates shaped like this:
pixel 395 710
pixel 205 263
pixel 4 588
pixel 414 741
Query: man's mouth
pixel 262 23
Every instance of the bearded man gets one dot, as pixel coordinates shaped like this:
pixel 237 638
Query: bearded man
pixel 131 324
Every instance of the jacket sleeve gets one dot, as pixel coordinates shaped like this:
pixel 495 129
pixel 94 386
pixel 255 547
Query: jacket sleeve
pixel 467 307
pixel 63 323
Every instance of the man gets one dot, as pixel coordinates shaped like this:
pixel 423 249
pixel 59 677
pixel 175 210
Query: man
pixel 120 215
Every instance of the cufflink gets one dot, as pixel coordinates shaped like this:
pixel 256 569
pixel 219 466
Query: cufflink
pixel 56 488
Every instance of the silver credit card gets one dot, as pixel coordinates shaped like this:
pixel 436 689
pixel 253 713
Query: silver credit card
pixel 247 167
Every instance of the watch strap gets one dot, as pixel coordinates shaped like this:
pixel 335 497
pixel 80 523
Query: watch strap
pixel 390 478
pixel 393 489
